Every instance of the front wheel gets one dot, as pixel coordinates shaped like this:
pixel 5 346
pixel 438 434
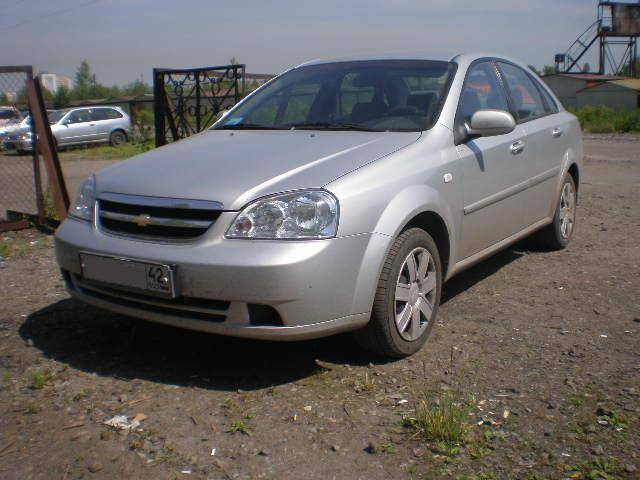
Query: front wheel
pixel 558 234
pixel 407 298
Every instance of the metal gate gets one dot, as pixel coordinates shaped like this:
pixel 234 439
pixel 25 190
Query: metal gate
pixel 25 136
pixel 186 101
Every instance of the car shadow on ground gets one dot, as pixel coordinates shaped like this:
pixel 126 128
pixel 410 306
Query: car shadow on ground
pixel 112 345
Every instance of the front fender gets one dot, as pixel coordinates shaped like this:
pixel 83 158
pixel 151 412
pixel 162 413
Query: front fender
pixel 402 208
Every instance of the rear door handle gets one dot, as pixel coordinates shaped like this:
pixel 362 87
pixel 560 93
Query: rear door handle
pixel 556 132
pixel 517 147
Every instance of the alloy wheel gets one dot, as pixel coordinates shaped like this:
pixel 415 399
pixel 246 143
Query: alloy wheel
pixel 415 293
pixel 567 210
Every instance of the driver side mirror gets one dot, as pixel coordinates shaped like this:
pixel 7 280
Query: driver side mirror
pixel 488 123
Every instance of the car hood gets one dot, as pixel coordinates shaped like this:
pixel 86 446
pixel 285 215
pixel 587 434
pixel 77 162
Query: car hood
pixel 235 167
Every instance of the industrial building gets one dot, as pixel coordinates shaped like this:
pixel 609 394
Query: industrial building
pixel 615 94
pixel 566 86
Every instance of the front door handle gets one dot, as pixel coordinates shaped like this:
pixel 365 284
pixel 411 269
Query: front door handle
pixel 517 147
pixel 556 132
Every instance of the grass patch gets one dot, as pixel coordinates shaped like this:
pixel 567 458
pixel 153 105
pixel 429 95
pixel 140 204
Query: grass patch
pixel 366 384
pixel 605 120
pixel 443 420
pixel 239 426
pixel 598 469
pixel 39 380
pixel 11 246
pixel 107 152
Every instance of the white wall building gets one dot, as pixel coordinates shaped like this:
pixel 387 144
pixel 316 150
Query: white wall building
pixel 53 82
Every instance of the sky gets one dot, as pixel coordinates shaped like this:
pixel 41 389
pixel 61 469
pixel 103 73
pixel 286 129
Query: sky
pixel 124 39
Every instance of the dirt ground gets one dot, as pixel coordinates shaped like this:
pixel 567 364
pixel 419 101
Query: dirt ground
pixel 540 351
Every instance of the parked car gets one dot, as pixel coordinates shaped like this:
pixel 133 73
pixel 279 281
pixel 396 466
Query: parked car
pixel 80 126
pixel 339 196
pixel 9 115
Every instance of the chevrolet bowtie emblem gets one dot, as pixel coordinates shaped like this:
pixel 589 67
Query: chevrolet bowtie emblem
pixel 142 220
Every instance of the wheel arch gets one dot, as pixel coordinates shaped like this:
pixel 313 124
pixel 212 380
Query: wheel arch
pixel 121 130
pixel 574 171
pixel 434 225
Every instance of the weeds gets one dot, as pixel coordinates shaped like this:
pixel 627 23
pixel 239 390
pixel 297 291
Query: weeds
pixel 366 385
pixel 39 380
pixel 598 469
pixel 239 426
pixel 11 246
pixel 444 420
pixel 605 120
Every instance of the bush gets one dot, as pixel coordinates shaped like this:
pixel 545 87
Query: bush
pixel 603 119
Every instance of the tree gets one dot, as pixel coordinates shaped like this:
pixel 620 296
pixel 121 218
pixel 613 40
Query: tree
pixel 534 69
pixel 137 88
pixel 84 81
pixel 549 70
pixel 4 100
pixel 234 61
pixel 62 97
pixel 586 68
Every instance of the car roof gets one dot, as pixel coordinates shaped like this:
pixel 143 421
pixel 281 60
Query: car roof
pixel 461 58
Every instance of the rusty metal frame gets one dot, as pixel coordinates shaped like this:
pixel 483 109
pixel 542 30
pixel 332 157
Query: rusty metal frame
pixel 44 144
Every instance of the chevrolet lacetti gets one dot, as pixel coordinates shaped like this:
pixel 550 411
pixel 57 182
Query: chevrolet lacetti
pixel 338 196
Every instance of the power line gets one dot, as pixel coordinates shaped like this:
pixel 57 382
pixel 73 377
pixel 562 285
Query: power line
pixel 52 14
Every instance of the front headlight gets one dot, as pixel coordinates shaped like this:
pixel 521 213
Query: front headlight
pixel 26 136
pixel 83 206
pixel 303 215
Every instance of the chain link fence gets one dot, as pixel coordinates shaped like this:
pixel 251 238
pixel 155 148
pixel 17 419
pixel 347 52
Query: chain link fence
pixel 20 191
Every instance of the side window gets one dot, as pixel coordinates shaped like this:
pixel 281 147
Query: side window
pixel 111 114
pixel 99 114
pixel 481 91
pixel 79 116
pixel 549 103
pixel 527 100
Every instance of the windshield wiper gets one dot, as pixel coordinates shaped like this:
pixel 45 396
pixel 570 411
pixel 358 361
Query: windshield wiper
pixel 332 126
pixel 248 126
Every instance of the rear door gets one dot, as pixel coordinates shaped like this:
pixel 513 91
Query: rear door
pixel 537 113
pixel 106 120
pixel 494 168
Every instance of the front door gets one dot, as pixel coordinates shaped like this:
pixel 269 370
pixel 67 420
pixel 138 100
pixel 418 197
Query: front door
pixel 78 127
pixel 494 168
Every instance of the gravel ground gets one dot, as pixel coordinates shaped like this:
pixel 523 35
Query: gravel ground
pixel 538 352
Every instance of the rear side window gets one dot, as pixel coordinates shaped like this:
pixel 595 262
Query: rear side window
pixel 527 100
pixel 105 114
pixel 482 91
pixel 549 103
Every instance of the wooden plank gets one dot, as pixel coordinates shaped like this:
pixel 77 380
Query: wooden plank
pixel 14 225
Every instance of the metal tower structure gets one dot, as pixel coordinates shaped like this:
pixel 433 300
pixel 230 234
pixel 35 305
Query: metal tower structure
pixel 616 32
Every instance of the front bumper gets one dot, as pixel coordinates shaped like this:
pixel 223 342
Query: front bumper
pixel 18 145
pixel 317 287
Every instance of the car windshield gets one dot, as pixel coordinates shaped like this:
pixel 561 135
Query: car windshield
pixel 382 95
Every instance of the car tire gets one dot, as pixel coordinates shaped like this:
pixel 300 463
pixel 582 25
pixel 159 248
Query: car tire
pixel 404 290
pixel 557 235
pixel 117 138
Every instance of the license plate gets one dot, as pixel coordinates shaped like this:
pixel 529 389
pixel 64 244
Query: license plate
pixel 125 272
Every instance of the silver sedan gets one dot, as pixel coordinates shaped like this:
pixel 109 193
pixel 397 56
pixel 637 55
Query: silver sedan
pixel 339 196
